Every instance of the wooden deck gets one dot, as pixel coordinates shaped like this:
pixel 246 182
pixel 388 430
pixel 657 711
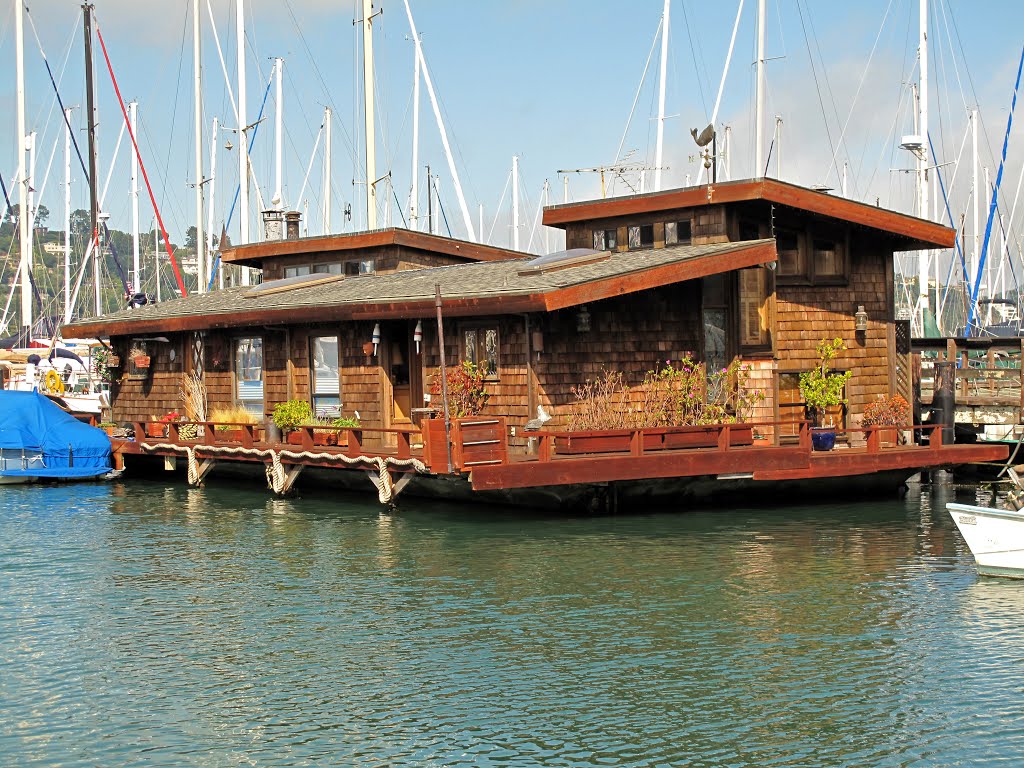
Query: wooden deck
pixel 479 454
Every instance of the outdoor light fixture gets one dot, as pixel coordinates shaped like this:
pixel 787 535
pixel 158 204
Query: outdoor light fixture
pixel 583 320
pixel 375 340
pixel 417 335
pixel 861 318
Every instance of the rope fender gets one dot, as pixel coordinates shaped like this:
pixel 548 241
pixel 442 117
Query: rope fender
pixel 275 472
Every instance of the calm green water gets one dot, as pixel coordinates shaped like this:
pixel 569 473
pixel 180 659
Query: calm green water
pixel 162 626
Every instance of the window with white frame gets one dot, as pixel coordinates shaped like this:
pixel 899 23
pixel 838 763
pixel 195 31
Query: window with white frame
pixel 324 376
pixel 248 359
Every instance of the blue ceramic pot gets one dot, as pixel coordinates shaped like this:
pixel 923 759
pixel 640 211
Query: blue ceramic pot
pixel 823 438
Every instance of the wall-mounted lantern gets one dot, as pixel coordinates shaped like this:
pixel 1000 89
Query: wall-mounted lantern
pixel 537 341
pixel 417 335
pixel 583 320
pixel 861 320
pixel 375 340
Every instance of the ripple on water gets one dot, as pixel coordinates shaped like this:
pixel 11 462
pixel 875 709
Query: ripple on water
pixel 144 625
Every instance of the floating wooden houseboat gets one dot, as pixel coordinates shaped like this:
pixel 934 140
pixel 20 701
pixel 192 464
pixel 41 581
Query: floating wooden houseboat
pixel 759 271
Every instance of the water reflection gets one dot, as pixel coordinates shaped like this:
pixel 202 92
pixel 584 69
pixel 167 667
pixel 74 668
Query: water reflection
pixel 217 626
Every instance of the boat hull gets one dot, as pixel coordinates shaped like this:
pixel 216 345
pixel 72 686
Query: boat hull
pixel 994 536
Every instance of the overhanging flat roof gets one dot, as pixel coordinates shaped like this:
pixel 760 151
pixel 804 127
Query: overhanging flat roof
pixel 467 290
pixel 914 233
pixel 377 238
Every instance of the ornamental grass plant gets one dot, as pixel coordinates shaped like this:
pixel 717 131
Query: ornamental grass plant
pixel 677 394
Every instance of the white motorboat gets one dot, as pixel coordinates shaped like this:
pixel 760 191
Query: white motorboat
pixel 995 537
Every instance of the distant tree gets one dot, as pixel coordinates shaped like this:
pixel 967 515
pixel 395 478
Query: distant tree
pixel 42 214
pixel 190 238
pixel 80 223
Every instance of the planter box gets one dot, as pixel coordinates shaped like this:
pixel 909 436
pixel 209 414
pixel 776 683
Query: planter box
pixel 672 438
pixel 319 438
pixel 156 430
pixel 237 435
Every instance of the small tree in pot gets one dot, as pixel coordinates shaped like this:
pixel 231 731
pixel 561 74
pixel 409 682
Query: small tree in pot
pixel 821 388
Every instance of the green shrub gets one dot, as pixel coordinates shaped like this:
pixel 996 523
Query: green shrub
pixel 345 422
pixel 291 414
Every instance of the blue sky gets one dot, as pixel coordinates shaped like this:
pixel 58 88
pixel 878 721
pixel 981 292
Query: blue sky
pixel 552 82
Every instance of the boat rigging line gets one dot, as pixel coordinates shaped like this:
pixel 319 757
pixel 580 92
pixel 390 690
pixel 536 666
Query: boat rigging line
pixel 995 195
pixel 142 165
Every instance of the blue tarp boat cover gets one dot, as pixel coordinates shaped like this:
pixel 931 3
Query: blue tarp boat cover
pixel 70 449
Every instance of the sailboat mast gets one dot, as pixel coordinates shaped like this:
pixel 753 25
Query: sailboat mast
pixel 368 106
pixel 67 215
pixel 414 196
pixel 922 175
pixel 23 215
pixel 90 121
pixel 198 127
pixel 277 201
pixel 661 98
pixel 515 202
pixel 210 204
pixel 243 139
pixel 327 170
pixel 759 169
pixel 133 116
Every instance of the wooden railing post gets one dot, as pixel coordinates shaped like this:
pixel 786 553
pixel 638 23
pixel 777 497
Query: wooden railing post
pixel 874 439
pixel 636 443
pixel 544 447
pixel 723 437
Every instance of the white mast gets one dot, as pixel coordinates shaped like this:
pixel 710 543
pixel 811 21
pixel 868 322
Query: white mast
pixel 976 194
pixel 371 144
pixel 327 170
pixel 547 191
pixel 198 123
pixel 67 215
pixel 243 140
pixel 778 147
pixel 133 117
pixel 467 219
pixel 210 206
pixel 728 153
pixel 23 181
pixel 515 202
pixel 30 212
pixel 277 201
pixel 922 178
pixel 414 196
pixel 759 169
pixel 661 97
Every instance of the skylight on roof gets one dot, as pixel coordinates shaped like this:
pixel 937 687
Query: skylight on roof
pixel 573 257
pixel 288 283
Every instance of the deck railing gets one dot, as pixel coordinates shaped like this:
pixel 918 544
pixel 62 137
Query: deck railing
pixel 482 441
pixel 988 371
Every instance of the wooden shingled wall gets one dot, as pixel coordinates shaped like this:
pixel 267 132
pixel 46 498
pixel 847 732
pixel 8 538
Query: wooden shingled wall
pixel 807 314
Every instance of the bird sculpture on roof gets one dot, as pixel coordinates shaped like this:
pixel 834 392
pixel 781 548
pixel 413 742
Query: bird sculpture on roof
pixel 543 417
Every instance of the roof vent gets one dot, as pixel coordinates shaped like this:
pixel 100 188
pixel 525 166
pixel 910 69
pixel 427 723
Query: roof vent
pixel 573 257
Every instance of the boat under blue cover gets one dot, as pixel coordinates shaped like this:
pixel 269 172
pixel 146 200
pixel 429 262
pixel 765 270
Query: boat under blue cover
pixel 39 440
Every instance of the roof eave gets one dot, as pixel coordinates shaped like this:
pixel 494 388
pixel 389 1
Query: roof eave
pixel 738 257
pixel 915 233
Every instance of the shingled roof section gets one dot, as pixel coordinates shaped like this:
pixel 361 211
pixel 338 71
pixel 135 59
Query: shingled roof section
pixel 483 288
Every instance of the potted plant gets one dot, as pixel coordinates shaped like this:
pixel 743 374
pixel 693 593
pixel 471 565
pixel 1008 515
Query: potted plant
pixel 290 415
pixel 194 401
pixel 108 427
pixel 822 388
pixel 890 412
pixel 227 421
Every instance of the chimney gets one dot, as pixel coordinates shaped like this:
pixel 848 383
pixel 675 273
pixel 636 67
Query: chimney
pixel 293 220
pixel 273 225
